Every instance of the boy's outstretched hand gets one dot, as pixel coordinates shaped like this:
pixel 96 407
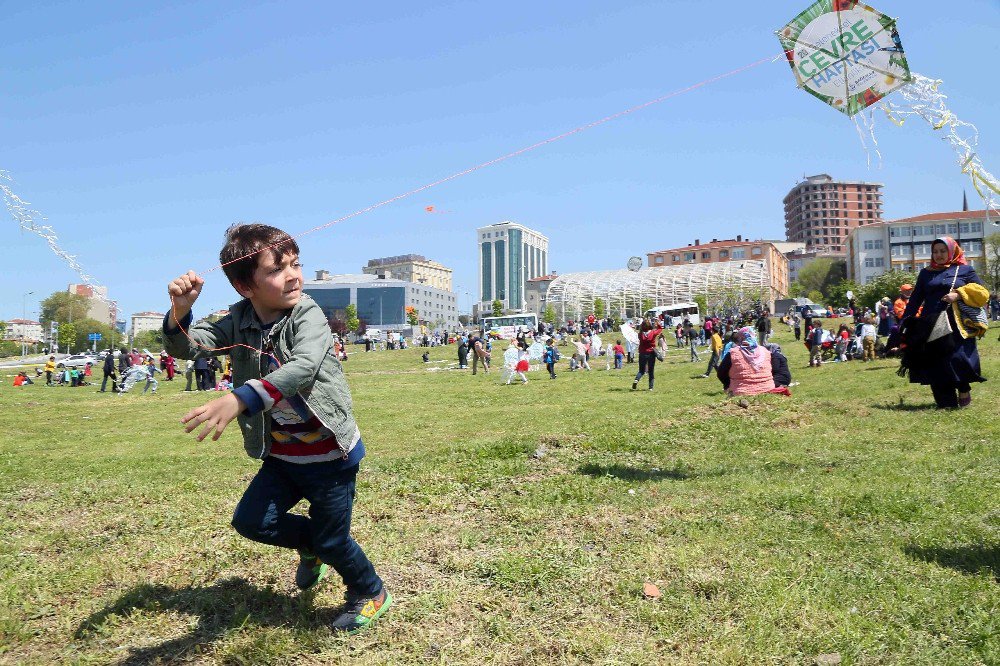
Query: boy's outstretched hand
pixel 216 415
pixel 184 291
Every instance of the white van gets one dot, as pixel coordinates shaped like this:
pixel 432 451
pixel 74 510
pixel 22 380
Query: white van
pixel 676 313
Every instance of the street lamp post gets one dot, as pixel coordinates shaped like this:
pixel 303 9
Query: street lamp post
pixel 24 316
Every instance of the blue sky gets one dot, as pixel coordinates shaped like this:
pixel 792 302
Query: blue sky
pixel 143 133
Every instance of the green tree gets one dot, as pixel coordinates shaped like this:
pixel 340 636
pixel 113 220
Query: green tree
pixel 883 285
pixel 992 274
pixel 731 300
pixel 796 290
pixel 63 306
pixel 647 304
pixel 351 317
pixel 3 329
pixel 702 302
pixel 67 336
pixel 821 274
pixel 816 297
pixel 464 319
pixel 151 340
pixel 9 348
pixel 412 316
pixel 549 315
pixel 599 311
pixel 837 295
pixel 497 308
pixel 85 327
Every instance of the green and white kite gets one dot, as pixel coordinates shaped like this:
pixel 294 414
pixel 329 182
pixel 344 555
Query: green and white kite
pixel 845 53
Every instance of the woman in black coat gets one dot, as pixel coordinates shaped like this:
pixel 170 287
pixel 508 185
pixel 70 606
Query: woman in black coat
pixel 779 365
pixel 937 288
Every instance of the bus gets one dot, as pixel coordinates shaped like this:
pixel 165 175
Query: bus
pixel 508 326
pixel 676 313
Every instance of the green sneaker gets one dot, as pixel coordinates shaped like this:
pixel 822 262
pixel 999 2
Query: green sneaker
pixel 359 613
pixel 311 570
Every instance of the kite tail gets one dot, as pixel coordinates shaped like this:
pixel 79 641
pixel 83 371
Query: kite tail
pixel 923 99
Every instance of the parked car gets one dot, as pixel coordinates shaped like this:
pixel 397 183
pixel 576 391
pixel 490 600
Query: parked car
pixel 76 361
pixel 816 311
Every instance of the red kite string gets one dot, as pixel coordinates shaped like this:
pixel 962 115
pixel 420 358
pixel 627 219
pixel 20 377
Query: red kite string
pixel 489 163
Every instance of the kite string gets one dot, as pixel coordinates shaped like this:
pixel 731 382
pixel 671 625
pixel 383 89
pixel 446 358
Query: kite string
pixel 464 172
pixel 515 153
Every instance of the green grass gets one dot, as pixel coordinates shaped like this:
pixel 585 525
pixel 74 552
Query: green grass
pixel 848 519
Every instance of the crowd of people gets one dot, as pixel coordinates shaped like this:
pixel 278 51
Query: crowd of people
pixel 740 352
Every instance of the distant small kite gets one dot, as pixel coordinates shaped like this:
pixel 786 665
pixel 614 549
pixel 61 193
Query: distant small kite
pixel 432 209
pixel 845 53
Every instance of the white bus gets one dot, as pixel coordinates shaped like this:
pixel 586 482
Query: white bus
pixel 676 313
pixel 508 326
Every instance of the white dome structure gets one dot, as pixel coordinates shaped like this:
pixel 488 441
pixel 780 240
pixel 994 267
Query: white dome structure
pixel 725 285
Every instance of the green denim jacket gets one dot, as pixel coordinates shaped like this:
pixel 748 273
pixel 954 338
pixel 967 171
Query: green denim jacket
pixel 302 343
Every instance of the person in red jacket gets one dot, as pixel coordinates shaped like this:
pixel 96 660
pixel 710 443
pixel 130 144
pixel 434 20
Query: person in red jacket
pixel 648 336
pixel 619 353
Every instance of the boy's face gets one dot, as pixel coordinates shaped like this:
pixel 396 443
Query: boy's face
pixel 277 285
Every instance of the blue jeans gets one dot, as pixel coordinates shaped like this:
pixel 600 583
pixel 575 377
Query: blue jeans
pixel 647 363
pixel 262 515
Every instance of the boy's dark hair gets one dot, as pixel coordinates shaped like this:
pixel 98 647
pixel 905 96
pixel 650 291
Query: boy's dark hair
pixel 244 242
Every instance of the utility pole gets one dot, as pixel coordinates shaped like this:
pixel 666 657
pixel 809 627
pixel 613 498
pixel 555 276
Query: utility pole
pixel 24 318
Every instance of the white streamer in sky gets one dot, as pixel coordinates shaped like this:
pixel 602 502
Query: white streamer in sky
pixel 923 99
pixel 31 220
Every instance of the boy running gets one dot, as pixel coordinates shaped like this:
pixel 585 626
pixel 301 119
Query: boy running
pixel 293 406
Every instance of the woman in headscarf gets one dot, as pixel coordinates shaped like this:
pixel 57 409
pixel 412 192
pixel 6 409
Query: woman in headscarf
pixel 942 287
pixel 746 369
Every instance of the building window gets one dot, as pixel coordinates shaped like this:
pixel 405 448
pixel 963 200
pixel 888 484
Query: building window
pixel 706 255
pixel 723 254
pixel 659 260
pixel 501 269
pixel 675 258
pixel 689 256
pixel 487 276
pixel 757 251
pixel 741 253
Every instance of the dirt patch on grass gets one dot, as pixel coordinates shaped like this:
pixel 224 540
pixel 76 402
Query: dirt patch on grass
pixel 562 440
pixel 755 409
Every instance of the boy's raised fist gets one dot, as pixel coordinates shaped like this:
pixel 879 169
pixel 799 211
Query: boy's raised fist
pixel 184 291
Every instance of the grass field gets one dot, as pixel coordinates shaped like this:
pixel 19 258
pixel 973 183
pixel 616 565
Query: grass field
pixel 519 524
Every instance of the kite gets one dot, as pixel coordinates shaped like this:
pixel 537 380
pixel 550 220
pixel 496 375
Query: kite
pixel 432 209
pixel 535 351
pixel 845 53
pixel 630 334
pixel 595 345
pixel 134 375
pixel 510 358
